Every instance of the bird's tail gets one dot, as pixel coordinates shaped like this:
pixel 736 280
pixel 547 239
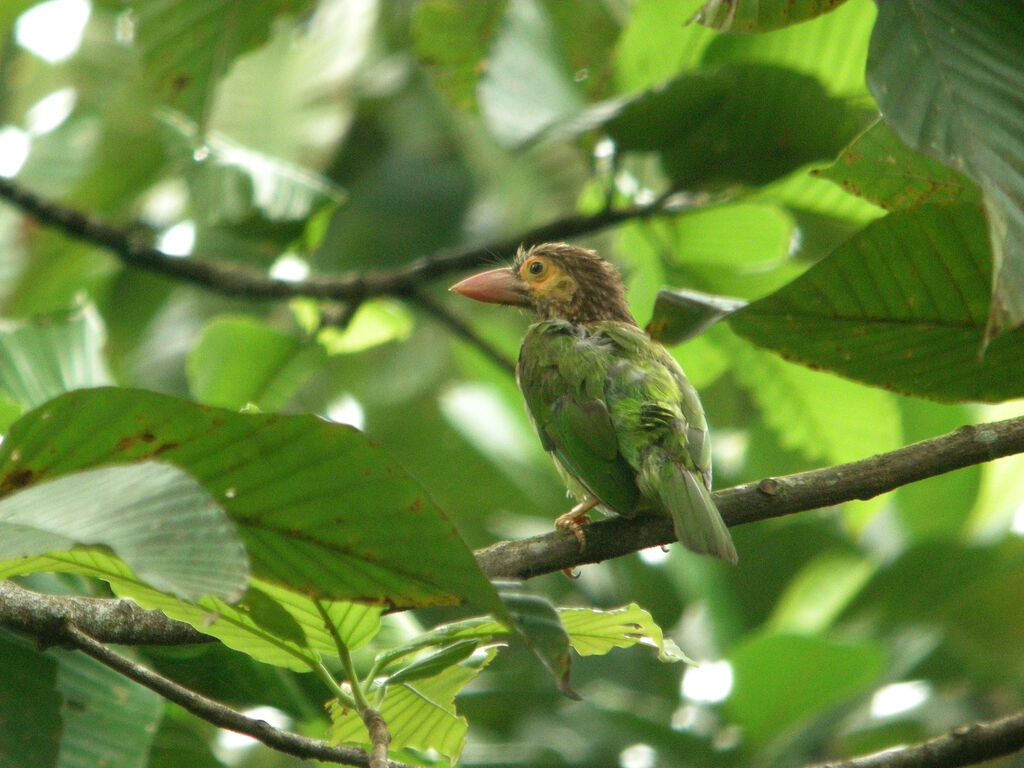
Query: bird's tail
pixel 698 523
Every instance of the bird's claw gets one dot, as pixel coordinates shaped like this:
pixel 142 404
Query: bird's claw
pixel 574 520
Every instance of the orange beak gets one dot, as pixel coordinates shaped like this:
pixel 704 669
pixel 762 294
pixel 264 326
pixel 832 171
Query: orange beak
pixel 496 286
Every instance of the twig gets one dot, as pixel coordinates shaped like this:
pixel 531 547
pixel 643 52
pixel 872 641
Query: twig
pixel 218 714
pixel 459 328
pixel 238 280
pixel 964 745
pixel 771 497
pixel 379 737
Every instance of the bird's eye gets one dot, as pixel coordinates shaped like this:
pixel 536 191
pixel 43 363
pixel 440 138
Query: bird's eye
pixel 536 268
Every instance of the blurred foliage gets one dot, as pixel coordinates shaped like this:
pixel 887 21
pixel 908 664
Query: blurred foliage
pixel 324 137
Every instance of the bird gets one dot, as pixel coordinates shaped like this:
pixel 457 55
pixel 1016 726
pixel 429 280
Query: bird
pixel 611 405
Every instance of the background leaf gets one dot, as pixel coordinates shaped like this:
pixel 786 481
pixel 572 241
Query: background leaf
pixel 760 15
pixel 262 468
pixel 879 292
pixel 962 109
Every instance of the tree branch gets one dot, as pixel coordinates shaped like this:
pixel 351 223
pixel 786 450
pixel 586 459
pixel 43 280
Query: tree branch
pixel 964 745
pixel 242 281
pixel 213 712
pixel 115 621
pixel 768 498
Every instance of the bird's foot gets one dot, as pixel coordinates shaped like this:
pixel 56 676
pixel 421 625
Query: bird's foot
pixel 576 518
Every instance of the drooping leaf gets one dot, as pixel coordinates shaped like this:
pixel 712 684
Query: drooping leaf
pixel 902 305
pixel 107 720
pixel 680 315
pixel 47 356
pixel 593 631
pixel 239 360
pixel 879 167
pixel 537 622
pixel 153 516
pixel 964 107
pixel 760 15
pixel 319 507
pixel 434 664
pixel 419 714
pixel 30 722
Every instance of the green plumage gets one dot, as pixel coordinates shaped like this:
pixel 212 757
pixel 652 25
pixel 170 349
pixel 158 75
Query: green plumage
pixel 611 405
pixel 623 424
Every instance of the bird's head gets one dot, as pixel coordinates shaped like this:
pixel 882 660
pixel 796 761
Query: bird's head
pixel 557 281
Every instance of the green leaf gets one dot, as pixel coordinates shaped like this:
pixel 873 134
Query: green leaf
pixel 419 714
pixel 319 507
pixel 108 720
pixel 537 622
pixel 735 123
pixel 964 107
pixel 47 356
pixel 239 360
pixel 527 85
pixel 595 632
pixel 658 42
pixel 680 315
pixel 782 680
pixel 153 516
pixel 451 40
pixel 30 719
pixel 820 592
pixel 433 664
pixel 760 15
pixel 902 305
pixel 832 48
pixel 800 406
pixel 186 48
pixel 879 167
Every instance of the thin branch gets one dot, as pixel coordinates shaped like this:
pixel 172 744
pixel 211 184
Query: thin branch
pixel 242 281
pixel 116 621
pixel 213 712
pixel 771 497
pixel 964 745
pixel 463 330
pixel 379 737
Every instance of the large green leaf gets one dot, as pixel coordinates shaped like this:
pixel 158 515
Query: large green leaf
pixel 963 106
pixel 319 507
pixel 735 123
pixel 760 15
pixel 153 516
pixel 879 167
pixel 902 305
pixel 658 43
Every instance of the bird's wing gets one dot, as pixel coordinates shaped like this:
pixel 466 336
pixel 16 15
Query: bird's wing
pixel 663 434
pixel 562 378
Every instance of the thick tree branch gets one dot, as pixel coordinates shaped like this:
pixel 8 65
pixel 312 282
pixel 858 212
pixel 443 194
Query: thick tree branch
pixel 964 745
pixel 771 497
pixel 242 281
pixel 115 621
pixel 213 712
